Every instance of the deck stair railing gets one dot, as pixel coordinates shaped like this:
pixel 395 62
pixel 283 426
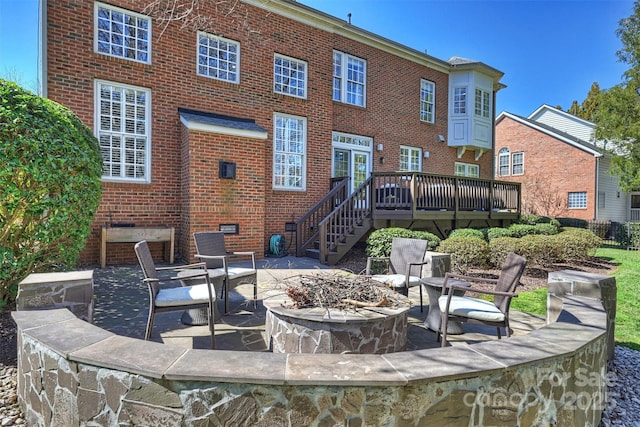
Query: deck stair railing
pixel 307 227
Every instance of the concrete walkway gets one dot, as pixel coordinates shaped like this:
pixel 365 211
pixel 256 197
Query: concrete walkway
pixel 121 306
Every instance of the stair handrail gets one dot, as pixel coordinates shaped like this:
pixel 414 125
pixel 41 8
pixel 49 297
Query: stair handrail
pixel 353 210
pixel 307 226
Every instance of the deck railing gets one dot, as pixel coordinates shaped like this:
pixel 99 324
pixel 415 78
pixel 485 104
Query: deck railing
pixel 420 191
pixel 389 194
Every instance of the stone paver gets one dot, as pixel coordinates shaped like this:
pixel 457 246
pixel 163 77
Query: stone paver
pixel 121 307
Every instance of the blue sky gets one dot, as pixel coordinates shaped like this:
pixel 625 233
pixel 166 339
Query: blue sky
pixel 551 51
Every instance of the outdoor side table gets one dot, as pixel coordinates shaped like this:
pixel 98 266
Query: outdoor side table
pixel 433 287
pixel 199 316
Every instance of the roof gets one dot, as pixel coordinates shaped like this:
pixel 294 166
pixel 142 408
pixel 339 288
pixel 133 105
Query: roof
pixel 218 123
pixel 555 133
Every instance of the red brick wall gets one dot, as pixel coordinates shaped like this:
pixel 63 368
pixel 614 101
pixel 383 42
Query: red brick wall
pixel 550 166
pixel 182 195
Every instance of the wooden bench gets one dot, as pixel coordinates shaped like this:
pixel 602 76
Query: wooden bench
pixel 134 235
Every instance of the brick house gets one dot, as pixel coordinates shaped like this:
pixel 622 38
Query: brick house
pixel 563 170
pixel 245 124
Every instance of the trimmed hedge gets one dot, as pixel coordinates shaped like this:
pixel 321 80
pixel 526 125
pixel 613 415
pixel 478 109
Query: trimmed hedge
pixel 467 232
pixel 379 241
pixel 465 252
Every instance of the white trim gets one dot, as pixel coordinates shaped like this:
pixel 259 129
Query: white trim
pixel 548 132
pixel 343 78
pixel 433 102
pixel 295 60
pixel 222 130
pixel 98 5
pixel 546 107
pixel 148 120
pixel 410 149
pixel 217 38
pixel 304 154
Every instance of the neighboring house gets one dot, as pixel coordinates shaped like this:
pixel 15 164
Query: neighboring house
pixel 246 124
pixel 563 171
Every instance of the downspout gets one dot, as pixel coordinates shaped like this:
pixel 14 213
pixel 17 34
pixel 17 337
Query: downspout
pixel 42 48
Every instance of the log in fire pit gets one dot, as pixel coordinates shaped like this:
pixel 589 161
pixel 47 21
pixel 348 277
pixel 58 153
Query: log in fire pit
pixel 335 313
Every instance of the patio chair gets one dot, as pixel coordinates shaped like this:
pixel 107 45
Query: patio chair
pixel 177 298
pixel 211 250
pixel 474 310
pixel 404 265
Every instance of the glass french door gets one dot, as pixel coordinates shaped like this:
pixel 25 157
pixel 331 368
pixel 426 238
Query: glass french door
pixel 355 164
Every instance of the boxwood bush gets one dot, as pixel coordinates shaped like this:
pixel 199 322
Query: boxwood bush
pixel 575 244
pixel 50 186
pixel 467 232
pixel 465 252
pixel 379 241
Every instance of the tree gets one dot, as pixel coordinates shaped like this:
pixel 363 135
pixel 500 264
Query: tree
pixel 617 116
pixel 50 186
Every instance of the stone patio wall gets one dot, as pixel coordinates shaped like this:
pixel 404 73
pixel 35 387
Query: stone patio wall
pixel 73 373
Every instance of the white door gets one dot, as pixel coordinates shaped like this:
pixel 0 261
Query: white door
pixel 355 164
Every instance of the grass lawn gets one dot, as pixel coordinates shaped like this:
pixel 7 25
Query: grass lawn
pixel 628 283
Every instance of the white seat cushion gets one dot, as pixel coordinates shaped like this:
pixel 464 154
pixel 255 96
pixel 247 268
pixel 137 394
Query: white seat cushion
pixel 472 308
pixel 237 272
pixel 396 280
pixel 184 295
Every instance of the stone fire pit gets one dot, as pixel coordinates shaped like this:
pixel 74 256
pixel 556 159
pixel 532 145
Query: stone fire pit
pixel 362 330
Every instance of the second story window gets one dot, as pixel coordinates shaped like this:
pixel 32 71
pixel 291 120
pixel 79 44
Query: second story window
pixel 349 79
pixel 121 33
pixel 482 104
pixel 123 127
pixel 503 162
pixel 410 159
pixel 517 163
pixel 460 100
pixel 290 76
pixel 427 101
pixel 218 58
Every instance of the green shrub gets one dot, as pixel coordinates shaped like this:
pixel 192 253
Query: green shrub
pixel 530 219
pixel 466 232
pixel 379 241
pixel 50 186
pixel 519 230
pixel 465 252
pixel 575 244
pixel 546 229
pixel 499 247
pixel 539 250
pixel 497 232
pixel 432 239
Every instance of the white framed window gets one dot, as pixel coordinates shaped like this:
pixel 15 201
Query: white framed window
pixel 289 152
pixel 517 163
pixel 427 101
pixel 577 200
pixel 218 58
pixel 410 159
pixel 503 162
pixel 289 76
pixel 482 103
pixel 349 79
pixel 121 33
pixel 123 128
pixel 467 169
pixel 460 100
